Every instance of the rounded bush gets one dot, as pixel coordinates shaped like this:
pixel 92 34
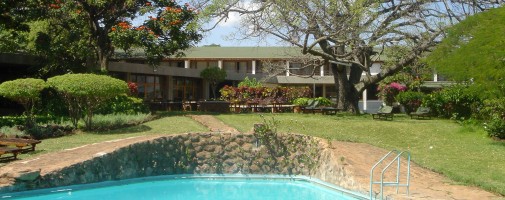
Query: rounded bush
pixel 84 93
pixel 123 104
pixel 88 85
pixel 456 102
pixel 410 100
pixel 26 90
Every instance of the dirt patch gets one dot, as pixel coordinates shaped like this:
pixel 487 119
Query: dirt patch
pixel 214 124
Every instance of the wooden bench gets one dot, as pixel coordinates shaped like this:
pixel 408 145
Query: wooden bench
pixel 25 145
pixel 9 150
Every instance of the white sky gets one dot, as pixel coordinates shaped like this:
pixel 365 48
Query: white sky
pixel 226 33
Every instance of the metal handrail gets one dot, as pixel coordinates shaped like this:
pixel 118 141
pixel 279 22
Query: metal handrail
pixel 397 183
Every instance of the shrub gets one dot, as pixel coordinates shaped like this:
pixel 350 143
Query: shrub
pixel 8 131
pixel 115 121
pixel 495 128
pixel 11 121
pixel 388 92
pixel 51 104
pixel 123 104
pixel 323 101
pixel 303 101
pixel 250 83
pixel 49 131
pixel 263 95
pixel 20 120
pixel 84 93
pixel 456 102
pixel 492 108
pixel 24 91
pixel 410 100
pixel 493 111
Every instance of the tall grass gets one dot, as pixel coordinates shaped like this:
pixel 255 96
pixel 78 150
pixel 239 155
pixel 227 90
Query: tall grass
pixel 114 121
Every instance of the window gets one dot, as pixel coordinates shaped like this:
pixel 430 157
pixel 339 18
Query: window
pixel 187 88
pixel 148 86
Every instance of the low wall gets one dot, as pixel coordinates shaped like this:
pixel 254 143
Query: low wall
pixel 215 106
pixel 202 153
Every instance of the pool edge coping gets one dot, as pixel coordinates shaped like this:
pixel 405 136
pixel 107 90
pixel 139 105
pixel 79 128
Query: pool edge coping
pixel 309 179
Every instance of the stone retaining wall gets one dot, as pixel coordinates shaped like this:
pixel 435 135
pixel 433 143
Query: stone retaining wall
pixel 202 153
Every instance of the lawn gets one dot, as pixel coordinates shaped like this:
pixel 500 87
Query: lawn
pixel 165 125
pixel 461 152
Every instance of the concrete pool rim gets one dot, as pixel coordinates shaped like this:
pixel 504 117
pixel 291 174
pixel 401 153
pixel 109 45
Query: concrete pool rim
pixel 66 189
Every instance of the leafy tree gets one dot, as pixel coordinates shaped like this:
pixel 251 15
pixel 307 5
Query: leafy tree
pixel 350 34
pixel 84 93
pixel 214 76
pixel 473 51
pixel 98 27
pixel 24 91
pixel 250 83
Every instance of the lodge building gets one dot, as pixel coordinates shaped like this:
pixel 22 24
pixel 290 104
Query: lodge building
pixel 178 79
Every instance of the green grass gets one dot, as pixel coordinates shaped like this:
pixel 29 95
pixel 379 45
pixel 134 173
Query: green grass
pixel 463 153
pixel 166 125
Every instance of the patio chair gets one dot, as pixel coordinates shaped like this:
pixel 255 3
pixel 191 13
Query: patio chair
pixel 329 110
pixel 25 145
pixel 312 106
pixel 384 112
pixel 421 113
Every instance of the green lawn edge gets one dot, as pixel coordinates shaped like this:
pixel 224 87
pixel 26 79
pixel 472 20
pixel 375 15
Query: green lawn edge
pixel 463 153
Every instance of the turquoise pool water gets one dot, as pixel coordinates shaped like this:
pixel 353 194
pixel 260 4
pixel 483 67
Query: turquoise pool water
pixel 195 188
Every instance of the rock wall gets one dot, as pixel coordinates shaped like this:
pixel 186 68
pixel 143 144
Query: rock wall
pixel 202 153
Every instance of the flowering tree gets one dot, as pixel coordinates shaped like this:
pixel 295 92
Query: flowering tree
pixel 100 26
pixel 388 92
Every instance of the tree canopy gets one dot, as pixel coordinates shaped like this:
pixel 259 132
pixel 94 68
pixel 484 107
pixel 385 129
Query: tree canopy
pixel 214 75
pixel 88 32
pixel 349 34
pixel 474 51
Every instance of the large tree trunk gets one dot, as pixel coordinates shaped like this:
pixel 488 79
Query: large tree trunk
pixel 347 95
pixel 103 42
pixel 103 59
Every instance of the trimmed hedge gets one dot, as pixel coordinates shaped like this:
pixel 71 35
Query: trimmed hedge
pixel 84 93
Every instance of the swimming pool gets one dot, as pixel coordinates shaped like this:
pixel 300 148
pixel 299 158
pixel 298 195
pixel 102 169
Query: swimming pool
pixel 198 187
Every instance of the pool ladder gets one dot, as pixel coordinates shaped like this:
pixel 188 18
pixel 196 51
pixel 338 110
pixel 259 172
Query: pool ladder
pixel 396 183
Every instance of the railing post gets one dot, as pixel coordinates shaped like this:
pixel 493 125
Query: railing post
pixel 397 158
